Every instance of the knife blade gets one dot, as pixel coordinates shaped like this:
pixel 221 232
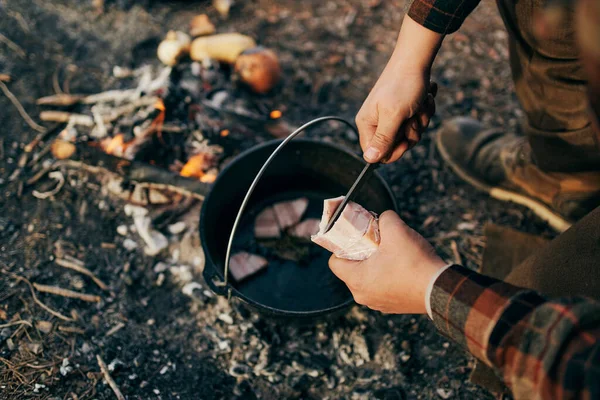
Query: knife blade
pixel 353 189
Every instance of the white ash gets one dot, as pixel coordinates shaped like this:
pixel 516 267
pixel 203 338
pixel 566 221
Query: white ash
pixel 177 228
pixel 160 267
pixel 160 279
pixel 155 241
pixel 131 210
pixel 226 318
pixel 122 230
pixel 188 288
pixel 181 273
pixel 129 244
pixel 65 368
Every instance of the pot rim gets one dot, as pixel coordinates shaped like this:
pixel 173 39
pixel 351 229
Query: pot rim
pixel 208 258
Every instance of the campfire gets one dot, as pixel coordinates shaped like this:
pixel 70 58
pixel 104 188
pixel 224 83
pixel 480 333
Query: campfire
pixel 212 97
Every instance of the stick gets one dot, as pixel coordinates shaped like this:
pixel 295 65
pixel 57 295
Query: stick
pixel 82 270
pixel 70 329
pixel 67 293
pixel 457 258
pixel 15 47
pixel 115 329
pixel 21 322
pixel 63 116
pixel 41 136
pixel 4 77
pixel 109 379
pixel 20 108
pixel 38 302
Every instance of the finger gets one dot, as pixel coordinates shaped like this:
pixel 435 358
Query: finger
pixel 366 130
pixel 389 223
pixel 433 88
pixel 346 270
pixel 430 105
pixel 398 152
pixel 382 142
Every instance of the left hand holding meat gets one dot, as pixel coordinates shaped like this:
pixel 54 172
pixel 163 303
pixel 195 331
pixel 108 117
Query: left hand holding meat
pixel 394 279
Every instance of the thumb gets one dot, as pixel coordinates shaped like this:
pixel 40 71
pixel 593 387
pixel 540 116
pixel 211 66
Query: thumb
pixel 346 270
pixel 383 140
pixel 390 225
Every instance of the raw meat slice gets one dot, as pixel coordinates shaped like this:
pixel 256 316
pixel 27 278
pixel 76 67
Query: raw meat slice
pixel 354 236
pixel 244 264
pixel 305 229
pixel 265 225
pixel 289 213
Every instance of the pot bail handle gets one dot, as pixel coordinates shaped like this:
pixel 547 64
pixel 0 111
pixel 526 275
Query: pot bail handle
pixel 255 183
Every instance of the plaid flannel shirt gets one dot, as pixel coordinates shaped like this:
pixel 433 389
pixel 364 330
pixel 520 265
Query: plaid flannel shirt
pixel 441 16
pixel 541 348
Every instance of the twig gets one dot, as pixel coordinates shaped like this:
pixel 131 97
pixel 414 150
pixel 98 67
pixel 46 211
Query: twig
pixel 41 136
pixel 20 108
pixel 82 270
pixel 71 329
pixel 15 47
pixel 63 116
pixel 4 77
pixel 457 258
pixel 38 302
pixel 109 379
pixel 21 322
pixel 67 293
pixel 56 175
pixel 115 329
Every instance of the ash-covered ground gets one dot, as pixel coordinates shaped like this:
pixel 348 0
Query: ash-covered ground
pixel 161 343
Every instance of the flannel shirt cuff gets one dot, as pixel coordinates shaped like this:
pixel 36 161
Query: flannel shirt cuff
pixel 441 16
pixel 466 307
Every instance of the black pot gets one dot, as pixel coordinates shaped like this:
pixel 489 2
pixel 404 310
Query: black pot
pixel 304 168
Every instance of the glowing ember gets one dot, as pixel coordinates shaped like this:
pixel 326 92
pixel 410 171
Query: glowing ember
pixel 116 145
pixel 194 168
pixel 275 114
pixel 225 132
pixel 208 178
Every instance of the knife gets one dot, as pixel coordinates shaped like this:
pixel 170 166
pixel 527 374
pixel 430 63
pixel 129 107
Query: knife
pixel 336 215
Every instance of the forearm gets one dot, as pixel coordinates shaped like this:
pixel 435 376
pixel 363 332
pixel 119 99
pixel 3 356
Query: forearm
pixel 415 49
pixel 535 345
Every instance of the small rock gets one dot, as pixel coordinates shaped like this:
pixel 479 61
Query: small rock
pixel 466 226
pixel 445 393
pixel 37 387
pixel 160 280
pixel 129 244
pixel 65 368
pixel 226 318
pixel 405 357
pixel 122 230
pixel 131 210
pixel 182 273
pixel 10 344
pixel 35 347
pixel 150 322
pixel 164 370
pixel 160 267
pixel 85 348
pixel 188 288
pixel 177 228
pixel 44 326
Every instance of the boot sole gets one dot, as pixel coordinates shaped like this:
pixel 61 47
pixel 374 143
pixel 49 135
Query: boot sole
pixel 555 220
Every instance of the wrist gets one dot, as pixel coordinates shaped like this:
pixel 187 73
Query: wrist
pixel 415 48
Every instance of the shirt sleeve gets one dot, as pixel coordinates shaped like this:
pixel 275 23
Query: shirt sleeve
pixel 541 348
pixel 441 16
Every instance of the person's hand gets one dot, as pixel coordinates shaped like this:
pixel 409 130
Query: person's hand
pixel 395 114
pixel 400 105
pixel 395 278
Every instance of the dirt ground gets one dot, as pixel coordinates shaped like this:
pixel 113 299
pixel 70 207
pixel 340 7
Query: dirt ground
pixel 162 344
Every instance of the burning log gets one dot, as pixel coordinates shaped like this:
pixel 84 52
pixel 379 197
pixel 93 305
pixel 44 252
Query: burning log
pixel 225 47
pixel 259 69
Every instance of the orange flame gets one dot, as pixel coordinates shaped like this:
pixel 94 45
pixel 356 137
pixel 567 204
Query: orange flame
pixel 208 178
pixel 116 145
pixel 275 114
pixel 225 132
pixel 194 168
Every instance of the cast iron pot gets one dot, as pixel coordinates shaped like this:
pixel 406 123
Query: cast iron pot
pixel 303 168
